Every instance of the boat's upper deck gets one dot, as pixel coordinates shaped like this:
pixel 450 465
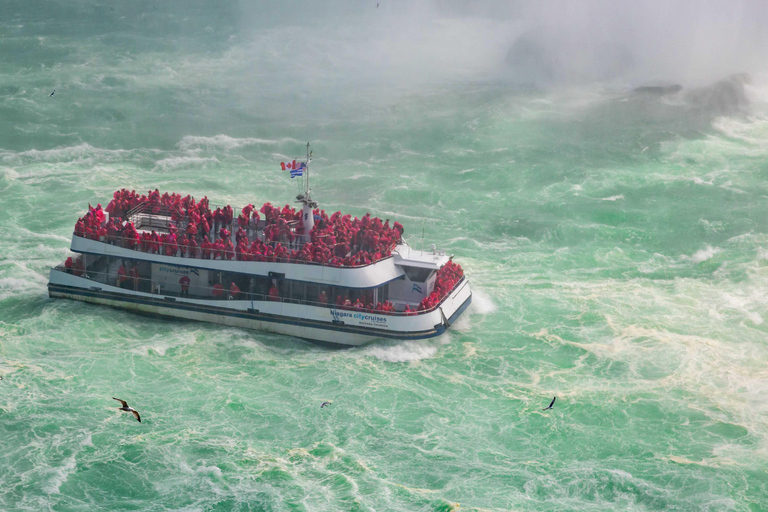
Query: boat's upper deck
pixel 170 225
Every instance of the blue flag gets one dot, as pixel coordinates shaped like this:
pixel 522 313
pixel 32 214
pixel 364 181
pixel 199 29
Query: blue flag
pixel 300 171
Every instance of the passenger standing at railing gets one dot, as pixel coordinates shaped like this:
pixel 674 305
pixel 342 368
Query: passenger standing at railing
pixel 218 250
pixel 242 221
pixel 218 290
pixel 323 297
pixel 192 249
pixel 183 245
pixel 120 276
pixel 206 248
pixel 191 230
pixel 253 224
pixel 111 232
pixel 154 245
pixel 234 291
pixel 204 227
pixel 184 282
pixel 80 228
pixel 68 265
pixel 240 235
pixel 218 219
pixel 274 293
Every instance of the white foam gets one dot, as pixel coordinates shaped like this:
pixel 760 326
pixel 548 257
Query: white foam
pixel 482 303
pixel 704 254
pixel 184 161
pixel 402 352
pixel 76 153
pixel 226 142
pixel 11 286
pixel 60 475
pixel 209 470
pixel 613 198
pixel 9 173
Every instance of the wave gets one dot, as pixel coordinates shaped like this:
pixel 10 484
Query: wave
pixel 704 254
pixel 193 142
pixel 76 153
pixel 401 352
pixel 184 161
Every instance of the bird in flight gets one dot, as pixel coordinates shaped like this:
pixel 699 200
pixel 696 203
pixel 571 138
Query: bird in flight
pixel 53 92
pixel 550 404
pixel 324 404
pixel 128 409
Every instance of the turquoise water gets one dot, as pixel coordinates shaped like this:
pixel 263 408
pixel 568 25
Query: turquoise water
pixel 616 247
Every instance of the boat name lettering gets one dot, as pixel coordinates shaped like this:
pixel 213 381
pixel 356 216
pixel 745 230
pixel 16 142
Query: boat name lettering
pixel 338 315
pixel 178 271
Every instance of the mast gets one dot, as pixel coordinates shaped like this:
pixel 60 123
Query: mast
pixel 308 220
pixel 306 180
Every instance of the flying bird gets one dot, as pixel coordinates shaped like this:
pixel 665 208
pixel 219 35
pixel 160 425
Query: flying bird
pixel 128 409
pixel 550 404
pixel 324 404
pixel 53 92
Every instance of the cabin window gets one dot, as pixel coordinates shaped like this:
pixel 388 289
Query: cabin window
pixel 418 274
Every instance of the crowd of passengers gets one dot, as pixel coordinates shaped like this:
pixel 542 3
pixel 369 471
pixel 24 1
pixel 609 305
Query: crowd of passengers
pixel 447 277
pixel 338 240
pixel 196 231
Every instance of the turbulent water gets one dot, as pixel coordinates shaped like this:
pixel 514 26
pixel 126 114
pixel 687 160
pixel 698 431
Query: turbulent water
pixel 617 247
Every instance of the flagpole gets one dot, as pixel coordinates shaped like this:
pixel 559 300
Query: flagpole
pixel 306 191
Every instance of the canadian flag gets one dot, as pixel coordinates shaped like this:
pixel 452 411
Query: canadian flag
pixel 289 165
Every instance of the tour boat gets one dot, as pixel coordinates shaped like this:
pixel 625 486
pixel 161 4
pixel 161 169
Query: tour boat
pixel 293 271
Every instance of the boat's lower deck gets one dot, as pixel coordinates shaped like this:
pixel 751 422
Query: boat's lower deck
pixel 326 324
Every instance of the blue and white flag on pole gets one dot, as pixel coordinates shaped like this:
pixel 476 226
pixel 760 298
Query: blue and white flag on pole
pixel 295 173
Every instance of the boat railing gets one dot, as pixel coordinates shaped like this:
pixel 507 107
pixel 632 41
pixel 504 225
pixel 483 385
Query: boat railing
pixel 160 216
pixel 195 252
pixel 141 284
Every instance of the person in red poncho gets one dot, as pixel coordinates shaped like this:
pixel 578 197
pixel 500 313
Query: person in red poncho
pixel 206 247
pixel 274 293
pixel 234 291
pixel 184 282
pixel 218 290
pixel 120 276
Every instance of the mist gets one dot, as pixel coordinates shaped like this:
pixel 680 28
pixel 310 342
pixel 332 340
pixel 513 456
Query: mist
pixel 354 50
pixel 690 42
pixel 598 40
pixel 195 66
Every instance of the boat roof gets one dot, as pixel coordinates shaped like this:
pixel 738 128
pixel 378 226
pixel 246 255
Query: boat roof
pixel 407 256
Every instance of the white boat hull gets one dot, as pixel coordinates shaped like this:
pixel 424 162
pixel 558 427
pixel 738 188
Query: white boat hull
pixel 348 327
